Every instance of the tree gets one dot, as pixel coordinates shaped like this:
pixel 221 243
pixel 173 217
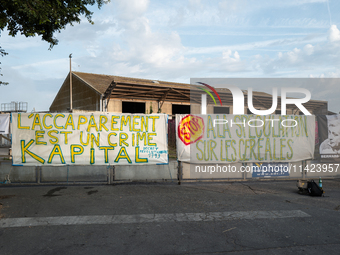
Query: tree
pixel 2 53
pixel 43 18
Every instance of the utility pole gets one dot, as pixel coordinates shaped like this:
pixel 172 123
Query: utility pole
pixel 70 56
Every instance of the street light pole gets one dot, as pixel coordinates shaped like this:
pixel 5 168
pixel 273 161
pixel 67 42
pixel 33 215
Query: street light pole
pixel 70 56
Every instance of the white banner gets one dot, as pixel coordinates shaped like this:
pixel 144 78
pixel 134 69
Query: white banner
pixel 221 138
pixel 89 138
pixel 4 124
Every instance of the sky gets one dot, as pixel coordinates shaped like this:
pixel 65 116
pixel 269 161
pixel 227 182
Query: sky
pixel 177 40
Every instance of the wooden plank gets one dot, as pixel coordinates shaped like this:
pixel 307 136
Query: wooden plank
pixel 143 91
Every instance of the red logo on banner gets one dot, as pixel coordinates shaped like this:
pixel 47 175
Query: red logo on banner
pixel 190 129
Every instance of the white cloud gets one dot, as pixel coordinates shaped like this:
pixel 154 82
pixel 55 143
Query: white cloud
pixel 308 1
pixel 38 94
pixel 139 49
pixel 230 57
pixel 129 10
pixel 20 42
pixel 195 5
pixel 230 6
pixel 44 69
pixel 308 49
pixel 333 34
pixel 176 40
pixel 309 60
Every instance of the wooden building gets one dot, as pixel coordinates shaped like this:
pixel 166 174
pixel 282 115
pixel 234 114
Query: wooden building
pixel 98 92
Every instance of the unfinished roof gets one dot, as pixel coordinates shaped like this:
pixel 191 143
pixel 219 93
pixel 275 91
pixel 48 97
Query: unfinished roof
pixel 101 82
pixel 98 82
pixel 134 88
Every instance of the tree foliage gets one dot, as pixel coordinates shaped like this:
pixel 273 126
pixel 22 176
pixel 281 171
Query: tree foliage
pixel 43 17
pixel 2 53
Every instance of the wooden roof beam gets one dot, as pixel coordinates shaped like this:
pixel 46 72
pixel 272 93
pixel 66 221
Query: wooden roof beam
pixel 108 91
pixel 162 99
pixel 141 92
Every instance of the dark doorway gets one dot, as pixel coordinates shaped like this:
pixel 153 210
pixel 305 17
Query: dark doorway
pixel 180 109
pixel 218 109
pixel 133 107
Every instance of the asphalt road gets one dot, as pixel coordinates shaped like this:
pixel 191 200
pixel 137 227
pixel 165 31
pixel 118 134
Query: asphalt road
pixel 197 218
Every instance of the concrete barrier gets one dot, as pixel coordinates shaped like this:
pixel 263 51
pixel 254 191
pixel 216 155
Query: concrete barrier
pixel 162 172
pixel 86 173
pixel 17 174
pixel 74 174
pixel 147 172
pixel 297 170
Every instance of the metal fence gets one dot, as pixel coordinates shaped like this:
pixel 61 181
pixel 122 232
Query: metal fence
pixel 14 107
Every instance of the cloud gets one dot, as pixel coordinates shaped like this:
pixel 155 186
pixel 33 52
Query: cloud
pixel 176 40
pixel 333 34
pixel 230 57
pixel 226 7
pixel 129 10
pixel 195 5
pixel 44 69
pixel 309 60
pixel 38 94
pixel 308 1
pixel 308 49
pixel 20 42
pixel 139 49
